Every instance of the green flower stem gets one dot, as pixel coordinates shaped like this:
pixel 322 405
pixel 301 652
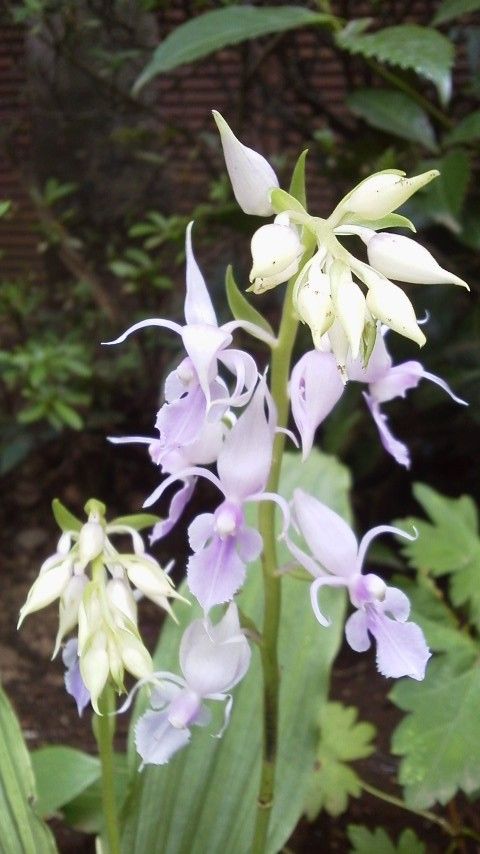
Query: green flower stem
pixel 280 369
pixel 104 729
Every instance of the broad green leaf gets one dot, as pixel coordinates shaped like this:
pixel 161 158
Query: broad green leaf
pixel 342 740
pixel 139 521
pixel 450 9
pixel 439 739
pixel 444 199
pixel 420 49
pixel 221 28
pixel 395 113
pixel 204 800
pixel 61 774
pixel 366 841
pixel 240 306
pixel 297 187
pixel 85 811
pixel 64 519
pixel 21 829
pixel 468 130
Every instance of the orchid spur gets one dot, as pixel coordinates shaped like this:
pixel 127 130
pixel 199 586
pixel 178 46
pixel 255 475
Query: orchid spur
pixel 213 659
pixel 336 560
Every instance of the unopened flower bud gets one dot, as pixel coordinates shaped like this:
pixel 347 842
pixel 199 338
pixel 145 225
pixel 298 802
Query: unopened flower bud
pixel 121 599
pixel 349 304
pixel 276 253
pixel 384 192
pixel 313 303
pixel 48 587
pixel 389 304
pixel 135 655
pixel 401 258
pixel 68 609
pixel 250 174
pixel 95 667
pixel 91 541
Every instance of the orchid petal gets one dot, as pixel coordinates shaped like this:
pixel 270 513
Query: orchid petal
pixel 177 505
pixel 376 532
pixel 356 631
pixel 329 538
pixel 73 679
pixel 214 659
pixel 323 581
pixel 143 324
pixel 181 475
pixel 280 502
pixel 252 329
pixel 438 380
pixel 243 367
pixel 379 363
pixel 395 603
pixel 396 381
pixel 249 544
pixel 200 531
pixel 198 305
pixel 156 740
pixel 315 388
pixel 401 647
pixel 203 343
pixel 305 560
pixel 215 573
pixel 130 440
pixel 393 446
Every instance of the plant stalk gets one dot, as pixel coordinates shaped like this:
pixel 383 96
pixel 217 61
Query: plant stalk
pixel 104 728
pixel 280 369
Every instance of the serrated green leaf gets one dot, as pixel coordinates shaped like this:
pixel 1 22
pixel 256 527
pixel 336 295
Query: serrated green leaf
pixel 20 827
pixel 420 49
pixel 138 521
pixel 220 28
pixel 62 773
pixel 468 130
pixel 366 841
pixel 208 791
pixel 342 740
pixel 297 187
pixel 240 306
pixel 439 739
pixel 395 113
pixel 450 9
pixel 64 519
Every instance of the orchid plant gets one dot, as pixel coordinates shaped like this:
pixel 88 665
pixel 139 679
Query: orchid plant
pixel 220 410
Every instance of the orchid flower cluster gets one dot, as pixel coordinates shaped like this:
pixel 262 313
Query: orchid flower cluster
pixel 218 410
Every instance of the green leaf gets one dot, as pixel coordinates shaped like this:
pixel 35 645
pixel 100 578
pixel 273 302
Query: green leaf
pixel 439 739
pixel 20 827
pixel 395 113
pixel 297 187
pixel 4 207
pixel 283 201
pixel 208 791
pixel 138 521
pixel 64 519
pixel 342 740
pixel 443 200
pixel 420 49
pixel 366 841
pixel 220 28
pixel 62 773
pixel 450 9
pixel 240 306
pixel 468 130
pixel 85 811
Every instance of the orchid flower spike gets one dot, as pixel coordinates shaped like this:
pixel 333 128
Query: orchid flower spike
pixel 336 560
pixel 222 542
pixel 251 176
pixel 387 381
pixel 213 659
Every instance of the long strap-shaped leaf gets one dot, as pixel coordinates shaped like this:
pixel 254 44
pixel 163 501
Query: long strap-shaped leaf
pixel 21 830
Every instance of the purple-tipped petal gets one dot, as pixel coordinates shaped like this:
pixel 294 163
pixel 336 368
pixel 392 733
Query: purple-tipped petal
pixel 242 472
pixel 401 647
pixel 198 305
pixel 438 381
pixel 323 581
pixel 315 387
pixel 177 505
pixel 73 679
pixel 329 538
pixel 215 573
pixel 214 658
pixel 156 739
pixel 356 631
pixel 393 446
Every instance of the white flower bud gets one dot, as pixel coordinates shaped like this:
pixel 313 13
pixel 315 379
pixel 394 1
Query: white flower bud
pixel 115 662
pixel 313 303
pixel 401 258
pixel 48 587
pixel 349 304
pixel 148 577
pixel 95 667
pixel 68 609
pixel 382 193
pixel 276 253
pixel 389 304
pixel 120 598
pixel 135 655
pixel 89 617
pixel 91 541
pixel 250 174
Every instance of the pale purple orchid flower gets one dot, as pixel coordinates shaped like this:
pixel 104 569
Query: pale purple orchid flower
pixel 387 381
pixel 73 678
pixel 222 542
pixel 315 387
pixel 213 659
pixel 336 560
